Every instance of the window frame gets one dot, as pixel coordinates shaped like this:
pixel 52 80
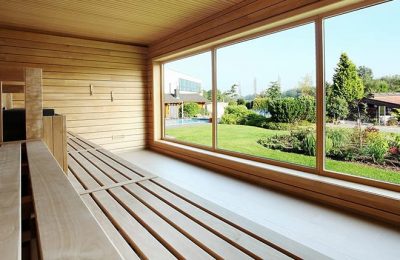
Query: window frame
pixel 319 169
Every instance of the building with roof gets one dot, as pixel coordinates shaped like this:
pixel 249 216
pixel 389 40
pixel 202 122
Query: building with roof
pixel 180 89
pixel 381 105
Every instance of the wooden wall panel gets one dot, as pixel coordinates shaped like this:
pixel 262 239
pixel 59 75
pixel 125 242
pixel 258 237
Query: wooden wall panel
pixel 70 66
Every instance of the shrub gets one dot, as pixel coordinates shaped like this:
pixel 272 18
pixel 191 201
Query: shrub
pixel 284 110
pixel 392 122
pixel 279 142
pixel 291 110
pixel 376 146
pixel 254 119
pixel 306 141
pixel 229 119
pixel 299 141
pixel 190 109
pixel 337 108
pixel 234 114
pixel 341 145
pixel 278 126
pixel 309 144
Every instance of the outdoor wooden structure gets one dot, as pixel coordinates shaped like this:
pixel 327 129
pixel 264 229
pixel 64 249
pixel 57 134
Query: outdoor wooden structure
pixel 100 68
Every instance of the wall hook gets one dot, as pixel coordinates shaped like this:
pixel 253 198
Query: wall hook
pixel 112 96
pixel 91 89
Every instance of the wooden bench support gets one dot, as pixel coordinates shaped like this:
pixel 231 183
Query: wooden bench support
pixel 10 201
pixel 66 228
pixel 116 185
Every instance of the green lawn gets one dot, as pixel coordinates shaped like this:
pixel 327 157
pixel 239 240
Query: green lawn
pixel 243 139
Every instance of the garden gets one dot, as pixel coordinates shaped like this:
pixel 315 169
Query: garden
pixel 281 125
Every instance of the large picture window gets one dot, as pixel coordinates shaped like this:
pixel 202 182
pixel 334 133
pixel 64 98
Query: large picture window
pixel 362 74
pixel 320 96
pixel 266 96
pixel 187 99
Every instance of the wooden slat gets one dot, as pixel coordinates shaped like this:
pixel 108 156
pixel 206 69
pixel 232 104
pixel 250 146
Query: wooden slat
pixel 116 238
pixel 261 233
pixel 104 176
pixel 66 229
pixel 141 240
pixel 178 243
pixel 214 245
pixel 125 163
pixel 230 233
pixel 10 201
pixel 121 168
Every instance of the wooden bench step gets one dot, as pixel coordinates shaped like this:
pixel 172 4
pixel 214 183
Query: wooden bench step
pixel 66 228
pixel 10 201
pixel 148 217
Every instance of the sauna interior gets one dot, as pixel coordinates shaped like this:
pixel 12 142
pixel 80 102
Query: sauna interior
pixel 209 129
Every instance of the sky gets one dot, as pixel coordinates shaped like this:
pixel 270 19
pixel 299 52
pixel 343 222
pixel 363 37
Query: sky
pixel 370 36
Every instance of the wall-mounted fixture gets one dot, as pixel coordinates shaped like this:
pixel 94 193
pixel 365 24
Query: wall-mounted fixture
pixel 112 96
pixel 91 89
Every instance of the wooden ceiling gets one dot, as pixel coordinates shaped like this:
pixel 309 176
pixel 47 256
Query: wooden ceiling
pixel 125 21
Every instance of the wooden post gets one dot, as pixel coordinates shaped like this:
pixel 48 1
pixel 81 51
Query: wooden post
pixel 33 103
pixel 55 137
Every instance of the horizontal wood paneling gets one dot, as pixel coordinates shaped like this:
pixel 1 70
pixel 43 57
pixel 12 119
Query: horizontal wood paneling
pixel 70 66
pixel 237 16
pixel 122 21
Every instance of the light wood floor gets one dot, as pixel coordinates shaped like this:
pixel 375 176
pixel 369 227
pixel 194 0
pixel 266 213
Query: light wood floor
pixel 337 234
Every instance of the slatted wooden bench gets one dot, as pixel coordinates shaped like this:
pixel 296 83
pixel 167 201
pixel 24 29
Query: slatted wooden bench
pixel 65 227
pixel 148 217
pixel 10 201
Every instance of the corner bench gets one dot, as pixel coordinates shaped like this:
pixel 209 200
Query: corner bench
pixel 147 217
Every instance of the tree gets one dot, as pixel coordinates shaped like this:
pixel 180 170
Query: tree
pixel 365 74
pixel 208 95
pixel 274 90
pixel 346 82
pixel 241 101
pixel 233 92
pixel 337 108
pixel 261 104
pixel 306 86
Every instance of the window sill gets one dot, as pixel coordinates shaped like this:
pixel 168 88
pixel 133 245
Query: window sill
pixel 371 201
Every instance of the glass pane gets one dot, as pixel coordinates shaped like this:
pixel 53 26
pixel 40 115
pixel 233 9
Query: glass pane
pixel 362 72
pixel 266 96
pixel 187 99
